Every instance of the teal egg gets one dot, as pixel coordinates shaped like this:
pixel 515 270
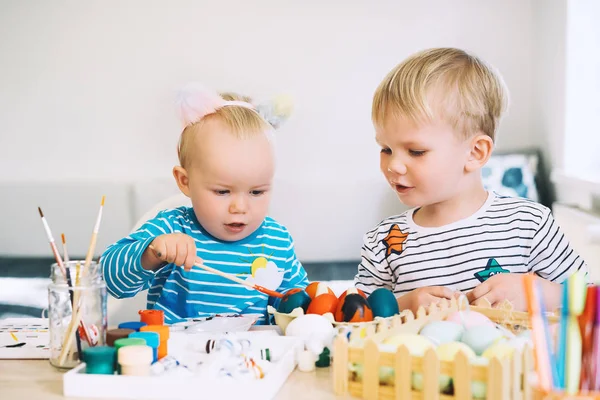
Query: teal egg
pixel 294 298
pixel 383 303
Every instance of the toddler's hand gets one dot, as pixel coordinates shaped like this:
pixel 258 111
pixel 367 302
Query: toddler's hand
pixel 501 287
pixel 176 248
pixel 424 297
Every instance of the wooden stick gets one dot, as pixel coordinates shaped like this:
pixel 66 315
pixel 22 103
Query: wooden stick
pixel 232 277
pixel 88 259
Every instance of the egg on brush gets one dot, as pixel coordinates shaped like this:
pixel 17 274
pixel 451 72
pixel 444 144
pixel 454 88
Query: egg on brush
pixel 292 299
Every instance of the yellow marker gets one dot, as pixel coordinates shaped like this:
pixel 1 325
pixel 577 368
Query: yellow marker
pixel 14 337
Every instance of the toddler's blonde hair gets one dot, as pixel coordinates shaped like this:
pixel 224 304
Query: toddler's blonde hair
pixel 443 83
pixel 241 121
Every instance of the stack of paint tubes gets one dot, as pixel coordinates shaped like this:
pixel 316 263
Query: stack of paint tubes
pixel 572 365
pixel 235 357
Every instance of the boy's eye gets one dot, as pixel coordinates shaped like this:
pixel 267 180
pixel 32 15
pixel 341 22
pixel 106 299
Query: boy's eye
pixel 257 192
pixel 416 153
pixel 221 192
pixel 386 150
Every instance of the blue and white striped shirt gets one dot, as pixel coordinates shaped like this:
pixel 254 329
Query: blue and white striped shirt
pixel 198 293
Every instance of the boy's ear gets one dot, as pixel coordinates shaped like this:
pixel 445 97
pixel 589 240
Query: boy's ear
pixel 481 148
pixel 182 179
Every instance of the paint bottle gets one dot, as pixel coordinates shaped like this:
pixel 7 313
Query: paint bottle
pixel 135 325
pixel 152 339
pixel 113 335
pixel 135 360
pixel 163 331
pixel 99 360
pixel 152 317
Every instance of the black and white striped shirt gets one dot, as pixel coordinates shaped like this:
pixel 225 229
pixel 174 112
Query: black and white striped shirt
pixel 505 235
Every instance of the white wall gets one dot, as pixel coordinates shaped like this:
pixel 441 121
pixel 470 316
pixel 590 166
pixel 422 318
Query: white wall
pixel 87 90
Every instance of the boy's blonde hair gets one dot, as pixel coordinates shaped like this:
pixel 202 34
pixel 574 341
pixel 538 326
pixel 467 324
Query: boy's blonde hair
pixel 445 83
pixel 242 122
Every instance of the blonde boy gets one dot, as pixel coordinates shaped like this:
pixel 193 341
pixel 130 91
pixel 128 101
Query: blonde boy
pixel 436 116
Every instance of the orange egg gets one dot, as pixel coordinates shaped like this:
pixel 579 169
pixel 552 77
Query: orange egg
pixel 314 289
pixel 350 291
pixel 322 304
pixel 353 308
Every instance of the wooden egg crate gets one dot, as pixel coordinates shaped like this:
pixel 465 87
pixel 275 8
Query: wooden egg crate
pixel 505 378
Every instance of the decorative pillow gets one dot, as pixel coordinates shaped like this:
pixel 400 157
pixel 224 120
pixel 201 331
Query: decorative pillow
pixel 512 175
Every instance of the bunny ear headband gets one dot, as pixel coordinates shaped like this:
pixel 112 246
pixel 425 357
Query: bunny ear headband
pixel 195 101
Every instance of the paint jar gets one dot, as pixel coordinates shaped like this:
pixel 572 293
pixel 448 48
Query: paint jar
pixel 135 360
pixel 152 317
pixel 119 343
pixel 163 331
pixel 134 325
pixel 77 316
pixel 152 339
pixel 99 360
pixel 112 335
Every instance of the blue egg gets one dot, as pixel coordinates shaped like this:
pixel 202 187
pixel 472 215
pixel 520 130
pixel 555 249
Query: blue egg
pixel 294 298
pixel 383 303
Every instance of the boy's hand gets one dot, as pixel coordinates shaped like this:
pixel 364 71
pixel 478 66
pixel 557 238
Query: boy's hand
pixel 424 297
pixel 176 248
pixel 501 287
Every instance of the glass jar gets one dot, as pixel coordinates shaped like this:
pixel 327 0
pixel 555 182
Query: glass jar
pixel 77 315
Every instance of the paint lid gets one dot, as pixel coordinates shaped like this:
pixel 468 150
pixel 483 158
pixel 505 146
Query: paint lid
pixel 114 334
pixel 99 355
pixel 152 317
pixel 135 355
pixel 162 330
pixel 129 342
pixel 135 325
pixel 152 338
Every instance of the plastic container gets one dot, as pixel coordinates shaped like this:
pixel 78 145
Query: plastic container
pixel 152 317
pixel 135 360
pixel 152 339
pixel 99 360
pixel 163 331
pixel 134 325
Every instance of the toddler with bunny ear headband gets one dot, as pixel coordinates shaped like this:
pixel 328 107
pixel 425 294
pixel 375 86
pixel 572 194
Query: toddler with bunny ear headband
pixel 226 167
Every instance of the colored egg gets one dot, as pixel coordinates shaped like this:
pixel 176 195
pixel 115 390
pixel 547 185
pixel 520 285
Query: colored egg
pixel 353 308
pixel 323 303
pixel 383 303
pixel 480 337
pixel 447 352
pixel 292 299
pixel 351 290
pixel 416 344
pixel 386 374
pixel 479 388
pixel 442 331
pixel 312 326
pixel 315 289
pixel 499 350
pixel 469 319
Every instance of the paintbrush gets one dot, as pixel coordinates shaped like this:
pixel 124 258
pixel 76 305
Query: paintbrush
pixel 60 264
pixel 88 259
pixel 231 277
pixel 70 282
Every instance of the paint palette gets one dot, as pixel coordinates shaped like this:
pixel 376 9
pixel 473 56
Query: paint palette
pixel 24 338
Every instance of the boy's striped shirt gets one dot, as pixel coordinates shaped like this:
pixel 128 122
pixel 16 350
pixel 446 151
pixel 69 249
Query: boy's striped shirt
pixel 505 235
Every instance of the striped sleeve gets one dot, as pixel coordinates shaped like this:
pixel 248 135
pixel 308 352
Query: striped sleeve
pixel 373 271
pixel 551 256
pixel 294 275
pixel 121 262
